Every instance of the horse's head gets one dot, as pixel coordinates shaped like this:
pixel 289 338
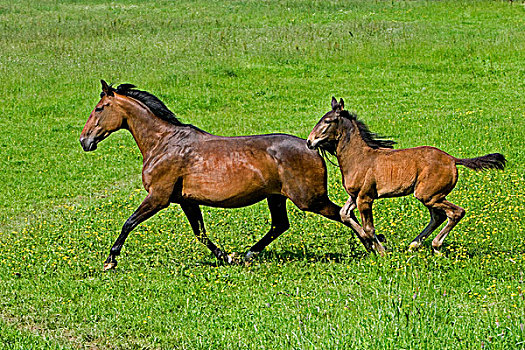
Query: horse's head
pixel 326 132
pixel 106 117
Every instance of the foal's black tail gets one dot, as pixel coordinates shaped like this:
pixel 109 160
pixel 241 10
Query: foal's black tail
pixel 490 161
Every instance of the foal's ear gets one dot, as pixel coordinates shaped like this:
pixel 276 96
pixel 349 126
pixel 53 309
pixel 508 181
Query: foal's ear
pixel 342 103
pixel 334 103
pixel 106 88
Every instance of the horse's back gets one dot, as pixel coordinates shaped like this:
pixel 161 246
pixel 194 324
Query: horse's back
pixel 239 171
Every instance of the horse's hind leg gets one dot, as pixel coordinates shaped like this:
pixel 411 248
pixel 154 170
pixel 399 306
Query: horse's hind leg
pixel 454 214
pixel 437 217
pixel 325 207
pixel 194 215
pixel 280 223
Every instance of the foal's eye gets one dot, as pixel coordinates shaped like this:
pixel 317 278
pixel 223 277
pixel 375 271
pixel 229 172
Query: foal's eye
pixel 330 120
pixel 99 109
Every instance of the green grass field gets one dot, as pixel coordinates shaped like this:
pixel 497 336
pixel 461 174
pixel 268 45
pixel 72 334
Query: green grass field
pixel 450 74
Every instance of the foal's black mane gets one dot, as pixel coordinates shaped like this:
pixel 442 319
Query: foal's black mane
pixel 151 101
pixel 371 138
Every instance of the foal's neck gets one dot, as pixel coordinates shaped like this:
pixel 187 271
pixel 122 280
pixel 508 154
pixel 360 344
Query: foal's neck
pixel 351 147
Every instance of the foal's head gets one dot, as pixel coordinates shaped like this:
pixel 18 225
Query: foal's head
pixel 328 131
pixel 106 117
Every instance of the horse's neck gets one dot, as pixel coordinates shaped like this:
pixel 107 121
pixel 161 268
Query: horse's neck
pixel 351 148
pixel 147 129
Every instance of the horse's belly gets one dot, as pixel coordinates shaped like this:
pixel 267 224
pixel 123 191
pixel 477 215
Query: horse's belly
pixel 228 187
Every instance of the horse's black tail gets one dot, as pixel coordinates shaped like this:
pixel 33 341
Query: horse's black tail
pixel 490 161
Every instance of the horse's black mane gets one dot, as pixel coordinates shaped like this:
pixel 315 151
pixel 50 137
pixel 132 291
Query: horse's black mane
pixel 371 138
pixel 151 101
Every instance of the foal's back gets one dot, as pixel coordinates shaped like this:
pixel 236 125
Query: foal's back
pixel 420 170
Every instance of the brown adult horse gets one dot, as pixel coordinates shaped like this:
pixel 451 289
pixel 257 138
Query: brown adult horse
pixel 372 170
pixel 185 165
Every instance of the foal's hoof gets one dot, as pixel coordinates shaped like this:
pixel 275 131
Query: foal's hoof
pixel 110 265
pixel 437 252
pixel 379 249
pixel 413 246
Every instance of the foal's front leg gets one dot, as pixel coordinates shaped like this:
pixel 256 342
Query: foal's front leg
pixel 364 205
pixel 348 217
pixel 149 207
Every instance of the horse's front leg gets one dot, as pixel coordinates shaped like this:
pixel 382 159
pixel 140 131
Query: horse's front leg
pixel 149 207
pixel 364 205
pixel 194 215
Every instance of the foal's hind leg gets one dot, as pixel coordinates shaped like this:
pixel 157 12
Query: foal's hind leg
pixel 437 217
pixel 194 215
pixel 280 223
pixel 454 214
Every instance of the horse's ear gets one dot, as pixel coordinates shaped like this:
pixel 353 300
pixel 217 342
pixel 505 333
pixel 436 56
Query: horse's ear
pixel 106 88
pixel 342 103
pixel 334 103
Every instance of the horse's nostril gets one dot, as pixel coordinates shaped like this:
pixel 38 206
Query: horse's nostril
pixel 88 144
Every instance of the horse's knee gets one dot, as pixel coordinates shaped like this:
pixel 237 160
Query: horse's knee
pixel 321 205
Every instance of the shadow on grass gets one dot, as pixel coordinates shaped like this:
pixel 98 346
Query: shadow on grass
pixel 297 255
pixel 272 256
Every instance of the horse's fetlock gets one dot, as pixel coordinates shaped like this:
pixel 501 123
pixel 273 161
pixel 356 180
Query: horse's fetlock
pixel 115 251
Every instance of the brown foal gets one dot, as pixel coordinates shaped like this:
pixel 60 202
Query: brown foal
pixel 185 165
pixel 371 169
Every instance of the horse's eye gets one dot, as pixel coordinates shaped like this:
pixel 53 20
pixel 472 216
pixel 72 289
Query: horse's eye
pixel 99 109
pixel 330 120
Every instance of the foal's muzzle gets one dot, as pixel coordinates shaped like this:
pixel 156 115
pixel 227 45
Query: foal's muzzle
pixel 313 144
pixel 309 144
pixel 88 144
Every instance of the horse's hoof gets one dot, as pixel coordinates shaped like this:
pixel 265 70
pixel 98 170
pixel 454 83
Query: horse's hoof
pixel 233 259
pixel 249 257
pixel 381 238
pixel 110 265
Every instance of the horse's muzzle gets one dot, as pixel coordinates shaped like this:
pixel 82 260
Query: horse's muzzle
pixel 88 144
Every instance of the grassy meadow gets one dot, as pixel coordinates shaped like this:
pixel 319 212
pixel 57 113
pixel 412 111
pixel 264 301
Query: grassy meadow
pixel 450 74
